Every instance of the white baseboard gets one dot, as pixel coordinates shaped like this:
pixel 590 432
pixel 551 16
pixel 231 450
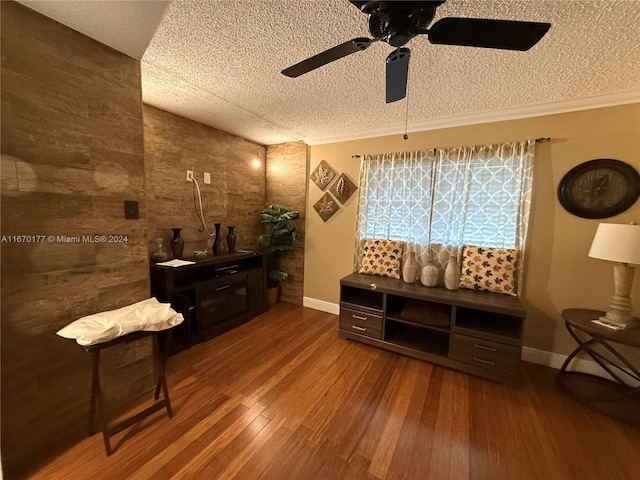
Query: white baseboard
pixel 555 360
pixel 531 355
pixel 548 359
pixel 321 305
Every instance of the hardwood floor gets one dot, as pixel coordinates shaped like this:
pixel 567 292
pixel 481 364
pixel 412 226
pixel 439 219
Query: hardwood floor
pixel 281 397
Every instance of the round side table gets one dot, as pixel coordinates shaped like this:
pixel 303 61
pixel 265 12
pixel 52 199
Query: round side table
pixel 618 394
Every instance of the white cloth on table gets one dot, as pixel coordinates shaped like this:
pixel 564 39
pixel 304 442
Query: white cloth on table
pixel 148 315
pixel 176 262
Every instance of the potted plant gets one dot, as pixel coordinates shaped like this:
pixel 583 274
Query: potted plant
pixel 276 242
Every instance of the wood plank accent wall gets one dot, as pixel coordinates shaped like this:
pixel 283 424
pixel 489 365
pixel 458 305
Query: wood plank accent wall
pixel 72 152
pixel 173 145
pixel 76 143
pixel 287 171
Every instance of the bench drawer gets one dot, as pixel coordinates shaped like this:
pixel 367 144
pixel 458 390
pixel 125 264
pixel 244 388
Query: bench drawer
pixel 363 323
pixel 486 354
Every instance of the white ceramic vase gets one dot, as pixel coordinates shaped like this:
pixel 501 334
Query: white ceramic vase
pixel 410 268
pixel 452 274
pixel 429 275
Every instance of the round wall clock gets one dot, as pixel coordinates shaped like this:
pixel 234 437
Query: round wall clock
pixel 599 188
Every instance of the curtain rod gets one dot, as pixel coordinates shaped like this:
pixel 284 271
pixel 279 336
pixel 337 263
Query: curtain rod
pixel 537 140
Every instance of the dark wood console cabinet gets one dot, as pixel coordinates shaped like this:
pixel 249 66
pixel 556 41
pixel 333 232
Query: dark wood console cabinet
pixel 215 294
pixel 472 331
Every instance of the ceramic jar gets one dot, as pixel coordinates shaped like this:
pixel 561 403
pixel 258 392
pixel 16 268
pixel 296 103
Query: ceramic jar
pixel 429 275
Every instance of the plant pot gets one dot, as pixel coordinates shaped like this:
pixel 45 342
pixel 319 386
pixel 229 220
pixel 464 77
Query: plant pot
pixel 272 295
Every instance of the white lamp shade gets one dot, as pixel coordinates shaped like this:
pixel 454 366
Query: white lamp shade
pixel 617 243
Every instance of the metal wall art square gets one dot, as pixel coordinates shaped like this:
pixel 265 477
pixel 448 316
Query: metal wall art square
pixel 326 207
pixel 323 175
pixel 343 188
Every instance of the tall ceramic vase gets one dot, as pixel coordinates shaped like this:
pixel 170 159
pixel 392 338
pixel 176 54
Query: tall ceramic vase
pixel 410 268
pixel 452 274
pixel 231 240
pixel 429 274
pixel 218 246
pixel 177 243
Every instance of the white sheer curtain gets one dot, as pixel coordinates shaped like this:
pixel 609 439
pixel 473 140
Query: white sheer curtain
pixel 441 199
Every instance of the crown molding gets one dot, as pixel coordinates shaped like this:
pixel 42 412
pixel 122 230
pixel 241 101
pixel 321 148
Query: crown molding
pixel 515 113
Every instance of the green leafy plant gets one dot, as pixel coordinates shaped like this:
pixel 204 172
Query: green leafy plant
pixel 278 240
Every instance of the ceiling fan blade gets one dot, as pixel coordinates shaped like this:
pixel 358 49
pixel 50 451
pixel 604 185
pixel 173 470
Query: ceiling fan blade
pixel 397 73
pixel 358 4
pixel 478 32
pixel 328 56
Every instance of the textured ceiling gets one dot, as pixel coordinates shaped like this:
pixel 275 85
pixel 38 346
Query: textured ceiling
pixel 126 26
pixel 219 62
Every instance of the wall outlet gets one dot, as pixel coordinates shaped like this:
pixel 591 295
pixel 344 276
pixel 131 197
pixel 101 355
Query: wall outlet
pixel 189 175
pixel 207 177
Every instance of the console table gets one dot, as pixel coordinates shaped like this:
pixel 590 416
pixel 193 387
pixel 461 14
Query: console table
pixel 214 294
pixel 618 395
pixel 472 331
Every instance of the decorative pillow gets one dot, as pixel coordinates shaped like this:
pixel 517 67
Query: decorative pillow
pixel 382 257
pixel 491 269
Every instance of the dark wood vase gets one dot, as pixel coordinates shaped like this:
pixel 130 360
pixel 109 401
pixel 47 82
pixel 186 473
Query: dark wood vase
pixel 218 246
pixel 177 243
pixel 231 240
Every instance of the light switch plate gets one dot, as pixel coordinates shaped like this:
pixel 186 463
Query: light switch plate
pixel 130 209
pixel 207 177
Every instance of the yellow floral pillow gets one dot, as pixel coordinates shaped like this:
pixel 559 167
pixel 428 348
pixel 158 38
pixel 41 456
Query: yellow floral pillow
pixel 491 269
pixel 382 257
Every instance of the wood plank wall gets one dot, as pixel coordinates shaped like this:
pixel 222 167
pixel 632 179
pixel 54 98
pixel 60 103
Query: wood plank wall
pixel 72 152
pixel 287 174
pixel 73 149
pixel 173 145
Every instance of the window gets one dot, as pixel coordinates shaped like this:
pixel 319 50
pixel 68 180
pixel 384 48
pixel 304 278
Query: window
pixel 441 199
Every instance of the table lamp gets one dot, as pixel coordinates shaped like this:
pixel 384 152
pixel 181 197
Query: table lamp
pixel 618 243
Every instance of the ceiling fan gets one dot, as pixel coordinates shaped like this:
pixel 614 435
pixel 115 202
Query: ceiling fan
pixel 397 22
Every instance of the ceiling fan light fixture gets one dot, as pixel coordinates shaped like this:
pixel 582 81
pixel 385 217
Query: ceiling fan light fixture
pixel 398 22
